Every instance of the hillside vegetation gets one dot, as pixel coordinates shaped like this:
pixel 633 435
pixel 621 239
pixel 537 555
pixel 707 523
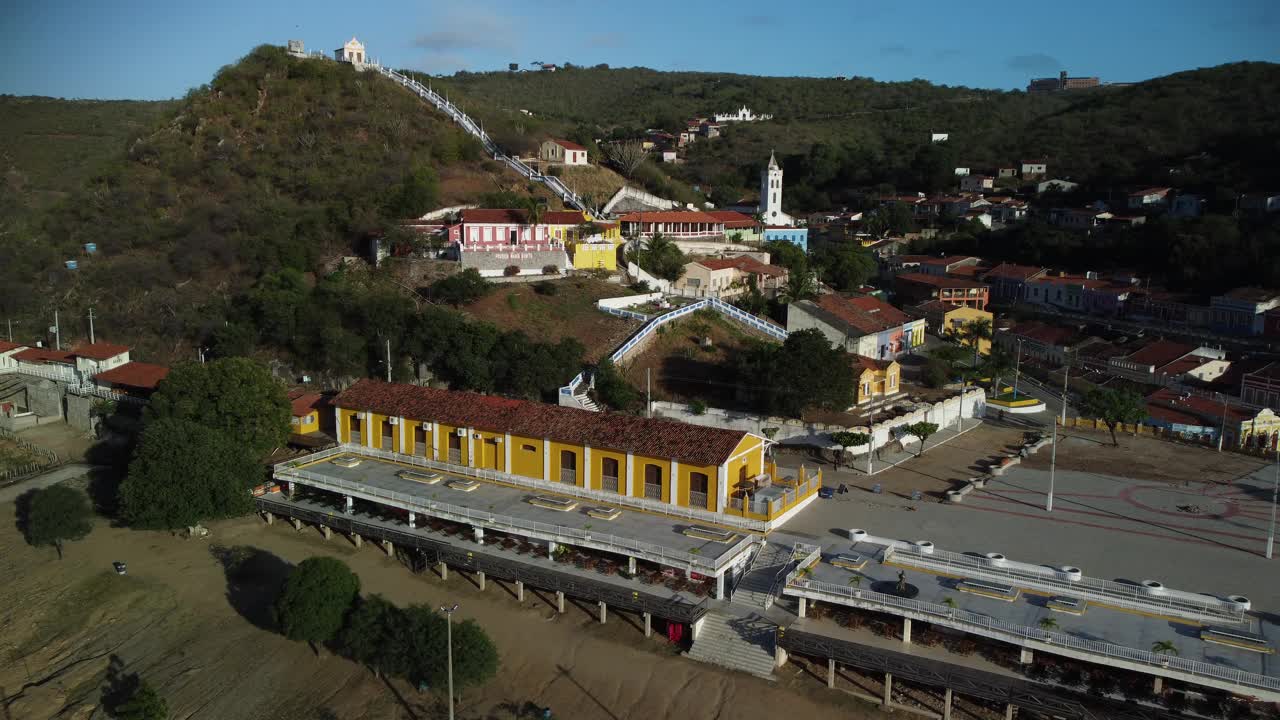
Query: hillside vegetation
pixel 836 136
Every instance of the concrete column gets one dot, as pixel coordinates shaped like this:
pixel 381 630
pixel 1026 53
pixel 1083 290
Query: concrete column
pixel 343 434
pixel 328 533
pixel 720 587
pixel 546 460
pixel 388 548
pixel 674 483
pixel 401 446
pixel 695 630
pixel 480 580
pixel 586 466
pixel 443 567
pixel 831 672
pixel 888 690
pixel 290 489
pixel 604 611
pixel 631 462
pixel 631 565
pixel 551 548
pixel 946 705
pixel 648 624
pixel 269 517
pixel 1008 711
pixel 1026 657
pixel 413 518
pixel 804 605
pixel 350 504
pixel 367 429
pixel 356 540
pixel 506 453
pixel 906 630
pixel 1157 686
pixel 435 441
pixel 560 601
pixel 480 535
pixel 471 448
pixel 519 591
pixel 722 487
pixel 297 524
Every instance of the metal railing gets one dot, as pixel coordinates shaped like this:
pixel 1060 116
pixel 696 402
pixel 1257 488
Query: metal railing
pixel 674 608
pixel 538 484
pixel 1000 630
pixel 697 499
pixel 1104 591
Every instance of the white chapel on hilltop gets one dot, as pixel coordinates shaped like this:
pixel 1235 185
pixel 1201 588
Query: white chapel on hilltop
pixel 352 52
pixel 771 196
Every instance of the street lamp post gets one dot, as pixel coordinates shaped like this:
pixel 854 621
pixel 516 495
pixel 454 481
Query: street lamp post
pixel 1275 494
pixel 448 621
pixel 1066 373
pixel 1017 370
pixel 1222 430
pixel 1053 462
pixel 871 439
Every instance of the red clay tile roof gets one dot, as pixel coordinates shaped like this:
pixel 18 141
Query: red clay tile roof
pixel 939 281
pixel 864 314
pixel 144 376
pixel 520 216
pixel 1182 365
pixel 1159 353
pixel 567 145
pixel 304 402
pixel 733 219
pixel 6 346
pixel 866 363
pixel 745 263
pixel 44 355
pixel 100 351
pixel 1203 409
pixel 935 306
pixel 691 444
pixel 670 216
pixel 1041 332
pixel 1009 271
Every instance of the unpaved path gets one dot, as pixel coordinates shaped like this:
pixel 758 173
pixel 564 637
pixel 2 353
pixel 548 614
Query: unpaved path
pixel 174 620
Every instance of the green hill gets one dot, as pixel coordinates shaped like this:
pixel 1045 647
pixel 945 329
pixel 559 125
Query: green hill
pixel 277 163
pixel 836 136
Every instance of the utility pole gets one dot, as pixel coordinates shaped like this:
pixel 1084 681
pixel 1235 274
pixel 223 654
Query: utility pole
pixel 1017 370
pixel 91 338
pixel 1053 463
pixel 871 440
pixel 57 332
pixel 388 360
pixel 448 620
pixel 1275 494
pixel 1066 373
pixel 1222 430
pixel 648 393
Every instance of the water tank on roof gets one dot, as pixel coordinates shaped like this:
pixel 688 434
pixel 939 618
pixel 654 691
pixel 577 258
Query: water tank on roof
pixel 72 264
pixel 91 248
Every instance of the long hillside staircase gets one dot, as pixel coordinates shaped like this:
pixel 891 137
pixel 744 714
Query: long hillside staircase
pixel 441 103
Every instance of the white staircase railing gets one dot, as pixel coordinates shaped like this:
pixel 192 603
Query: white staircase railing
pixel 554 184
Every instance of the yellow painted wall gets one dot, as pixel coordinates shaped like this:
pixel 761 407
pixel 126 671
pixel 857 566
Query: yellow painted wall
pixel 638 464
pixel 955 319
pixel 595 256
pixel 308 423
pixel 556 449
pixel 490 456
pixel 597 468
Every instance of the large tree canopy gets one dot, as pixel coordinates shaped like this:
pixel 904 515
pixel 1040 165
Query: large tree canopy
pixel 183 473
pixel 315 599
pixel 805 371
pixel 236 396
pixel 56 514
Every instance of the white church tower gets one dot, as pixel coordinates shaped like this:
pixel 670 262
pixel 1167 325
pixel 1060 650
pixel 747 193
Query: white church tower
pixel 771 195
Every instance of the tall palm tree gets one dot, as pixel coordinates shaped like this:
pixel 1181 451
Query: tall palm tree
pixel 998 364
pixel 974 332
pixel 800 286
pixel 533 206
pixel 1164 647
pixel 1047 624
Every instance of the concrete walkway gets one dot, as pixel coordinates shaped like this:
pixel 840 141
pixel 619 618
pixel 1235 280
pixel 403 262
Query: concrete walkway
pixel 53 477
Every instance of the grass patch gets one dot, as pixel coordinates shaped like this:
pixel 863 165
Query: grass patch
pixel 12 456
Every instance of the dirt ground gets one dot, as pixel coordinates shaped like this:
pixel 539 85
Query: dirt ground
pixel 69 443
pixel 571 312
pixel 1143 458
pixel 205 642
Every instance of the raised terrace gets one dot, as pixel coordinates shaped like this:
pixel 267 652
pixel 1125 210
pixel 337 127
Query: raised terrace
pixel 541 515
pixel 1216 639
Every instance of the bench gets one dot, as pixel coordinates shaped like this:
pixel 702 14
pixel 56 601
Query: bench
pixel 1242 639
pixel 1069 605
pixel 346 461
pixel 605 513
pixel 849 562
pixel 710 533
pixel 985 588
pixel 421 477
pixel 464 485
pixel 550 502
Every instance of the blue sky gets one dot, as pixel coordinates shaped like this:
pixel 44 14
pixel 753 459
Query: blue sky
pixel 151 49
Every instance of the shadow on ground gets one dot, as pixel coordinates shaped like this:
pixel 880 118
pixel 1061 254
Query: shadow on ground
pixel 254 577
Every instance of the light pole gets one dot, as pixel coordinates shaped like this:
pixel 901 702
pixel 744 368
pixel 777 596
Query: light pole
pixel 1066 373
pixel 1017 369
pixel 448 621
pixel 871 439
pixel 1275 493
pixel 1053 463
pixel 1223 429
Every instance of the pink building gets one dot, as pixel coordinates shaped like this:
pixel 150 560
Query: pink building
pixel 501 230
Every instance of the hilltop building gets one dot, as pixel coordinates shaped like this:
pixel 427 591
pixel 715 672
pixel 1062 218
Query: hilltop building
pixel 352 52
pixel 771 195
pixel 1044 86
pixel 742 115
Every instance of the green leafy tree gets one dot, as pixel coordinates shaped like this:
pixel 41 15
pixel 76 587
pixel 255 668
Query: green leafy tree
pixel 974 333
pixel 799 286
pixel 144 703
pixel 1114 408
pixel 922 431
pixel 475 658
pixel 805 371
pixel 461 288
pixel 999 364
pixel 372 636
pixel 845 267
pixel 236 396
pixel 316 597
pixel 56 514
pixel 659 256
pixel 418 193
pixel 183 473
pixel 613 389
pixel 847 439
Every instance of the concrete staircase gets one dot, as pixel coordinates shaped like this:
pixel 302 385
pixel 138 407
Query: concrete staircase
pixel 745 644
pixel 753 589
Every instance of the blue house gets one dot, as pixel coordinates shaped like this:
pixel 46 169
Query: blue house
pixel 794 235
